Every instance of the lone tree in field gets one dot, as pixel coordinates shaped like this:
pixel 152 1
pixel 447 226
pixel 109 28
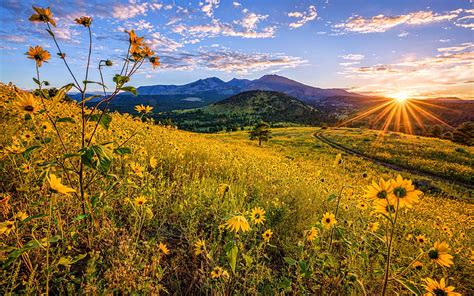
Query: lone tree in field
pixel 261 132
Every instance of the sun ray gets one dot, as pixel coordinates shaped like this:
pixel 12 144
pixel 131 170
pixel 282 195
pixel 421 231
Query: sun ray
pixel 366 113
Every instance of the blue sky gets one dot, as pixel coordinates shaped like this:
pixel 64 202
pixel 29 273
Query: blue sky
pixel 415 48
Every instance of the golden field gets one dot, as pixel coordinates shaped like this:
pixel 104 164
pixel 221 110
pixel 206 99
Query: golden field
pixel 157 218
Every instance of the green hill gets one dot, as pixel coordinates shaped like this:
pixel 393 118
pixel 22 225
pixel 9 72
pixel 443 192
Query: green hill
pixel 247 108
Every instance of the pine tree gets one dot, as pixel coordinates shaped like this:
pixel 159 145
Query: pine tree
pixel 261 132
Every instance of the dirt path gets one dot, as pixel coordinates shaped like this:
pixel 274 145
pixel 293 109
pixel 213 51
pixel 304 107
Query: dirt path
pixel 399 168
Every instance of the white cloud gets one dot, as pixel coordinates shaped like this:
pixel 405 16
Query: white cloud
pixel 382 23
pixel 250 20
pixel 303 17
pixel 130 10
pixel 353 57
pixel 217 28
pixel 208 7
pixel 236 4
pixel 162 43
pixel 403 34
pixel 461 47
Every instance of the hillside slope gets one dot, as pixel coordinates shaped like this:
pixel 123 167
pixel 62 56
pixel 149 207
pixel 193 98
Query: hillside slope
pixel 247 108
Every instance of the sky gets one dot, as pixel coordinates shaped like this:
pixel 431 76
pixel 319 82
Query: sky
pixel 394 48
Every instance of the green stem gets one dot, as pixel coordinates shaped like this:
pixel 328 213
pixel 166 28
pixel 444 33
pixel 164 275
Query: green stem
pixel 389 251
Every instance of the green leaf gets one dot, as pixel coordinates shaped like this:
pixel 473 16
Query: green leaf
pixel 26 154
pixel 69 155
pixel 232 257
pixel 105 119
pixel 290 261
pixel 122 150
pixel 120 80
pixel 409 285
pixel 39 216
pixel 331 197
pixel 99 83
pixel 65 119
pixel 97 157
pixel 36 81
pixel 248 260
pixel 80 217
pixel 129 89
pixel 45 140
pixel 50 32
pixel 33 244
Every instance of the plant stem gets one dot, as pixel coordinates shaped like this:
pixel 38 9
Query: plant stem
pixel 389 251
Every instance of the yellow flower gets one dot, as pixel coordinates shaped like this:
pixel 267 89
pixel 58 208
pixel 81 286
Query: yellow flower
pixel 379 190
pixel 439 288
pixel 6 227
pixel 218 273
pixel 384 207
pixel 46 126
pixel 26 103
pixel 417 265
pixel 328 220
pixel 439 254
pixel 136 168
pixel 257 215
pixel 147 52
pixel 155 62
pixel 267 235
pixel 199 247
pixel 140 200
pixel 84 20
pixel 153 162
pixel 421 239
pixel 338 159
pixel 143 109
pixel 135 41
pixel 404 192
pixel 20 215
pixel 362 205
pixel 42 15
pixel 374 226
pixel 311 234
pixel 38 54
pixel 57 187
pixel 27 136
pixel 163 248
pixel 238 223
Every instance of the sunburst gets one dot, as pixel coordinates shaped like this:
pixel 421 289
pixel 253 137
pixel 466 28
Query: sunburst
pixel 400 113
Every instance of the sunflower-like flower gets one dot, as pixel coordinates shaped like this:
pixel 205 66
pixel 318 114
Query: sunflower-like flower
pixel 143 109
pixel 140 200
pixel 20 215
pixel 257 215
pixel 384 207
pixel 153 162
pixel 147 52
pixel 56 186
pixel 6 227
pixel 136 168
pixel 155 61
pixel 267 235
pixel 373 226
pixel 311 234
pixel 434 288
pixel 219 273
pixel 404 192
pixel 440 254
pixel 238 223
pixel 417 265
pixel 328 220
pixel 421 239
pixel 42 15
pixel 27 103
pixel 199 247
pixel 135 41
pixel 38 54
pixel 163 248
pixel 380 190
pixel 84 20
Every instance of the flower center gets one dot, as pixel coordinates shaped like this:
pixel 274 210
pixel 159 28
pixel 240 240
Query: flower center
pixel 328 220
pixel 382 194
pixel 440 292
pixel 433 254
pixel 400 192
pixel 29 108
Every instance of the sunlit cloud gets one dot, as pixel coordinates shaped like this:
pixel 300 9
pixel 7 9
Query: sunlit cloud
pixel 129 10
pixel 353 57
pixel 208 7
pixel 218 28
pixel 303 17
pixel 382 23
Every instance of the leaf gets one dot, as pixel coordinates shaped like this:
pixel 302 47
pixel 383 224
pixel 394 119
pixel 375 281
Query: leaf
pixel 32 244
pixel 290 261
pixel 65 119
pixel 248 260
pixel 36 81
pixel 99 83
pixel 69 155
pixel 409 285
pixel 80 217
pixel 332 197
pixel 39 216
pixel 129 89
pixel 97 157
pixel 105 119
pixel 26 154
pixel 45 140
pixel 122 150
pixel 50 32
pixel 232 257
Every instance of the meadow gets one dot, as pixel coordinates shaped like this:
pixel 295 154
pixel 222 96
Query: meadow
pixel 94 202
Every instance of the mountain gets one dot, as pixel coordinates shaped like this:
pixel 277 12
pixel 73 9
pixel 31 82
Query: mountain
pixel 245 109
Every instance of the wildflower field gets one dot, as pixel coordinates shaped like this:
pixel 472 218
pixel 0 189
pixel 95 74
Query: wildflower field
pixel 94 202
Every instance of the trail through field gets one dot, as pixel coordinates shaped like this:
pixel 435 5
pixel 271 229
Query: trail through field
pixel 400 168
